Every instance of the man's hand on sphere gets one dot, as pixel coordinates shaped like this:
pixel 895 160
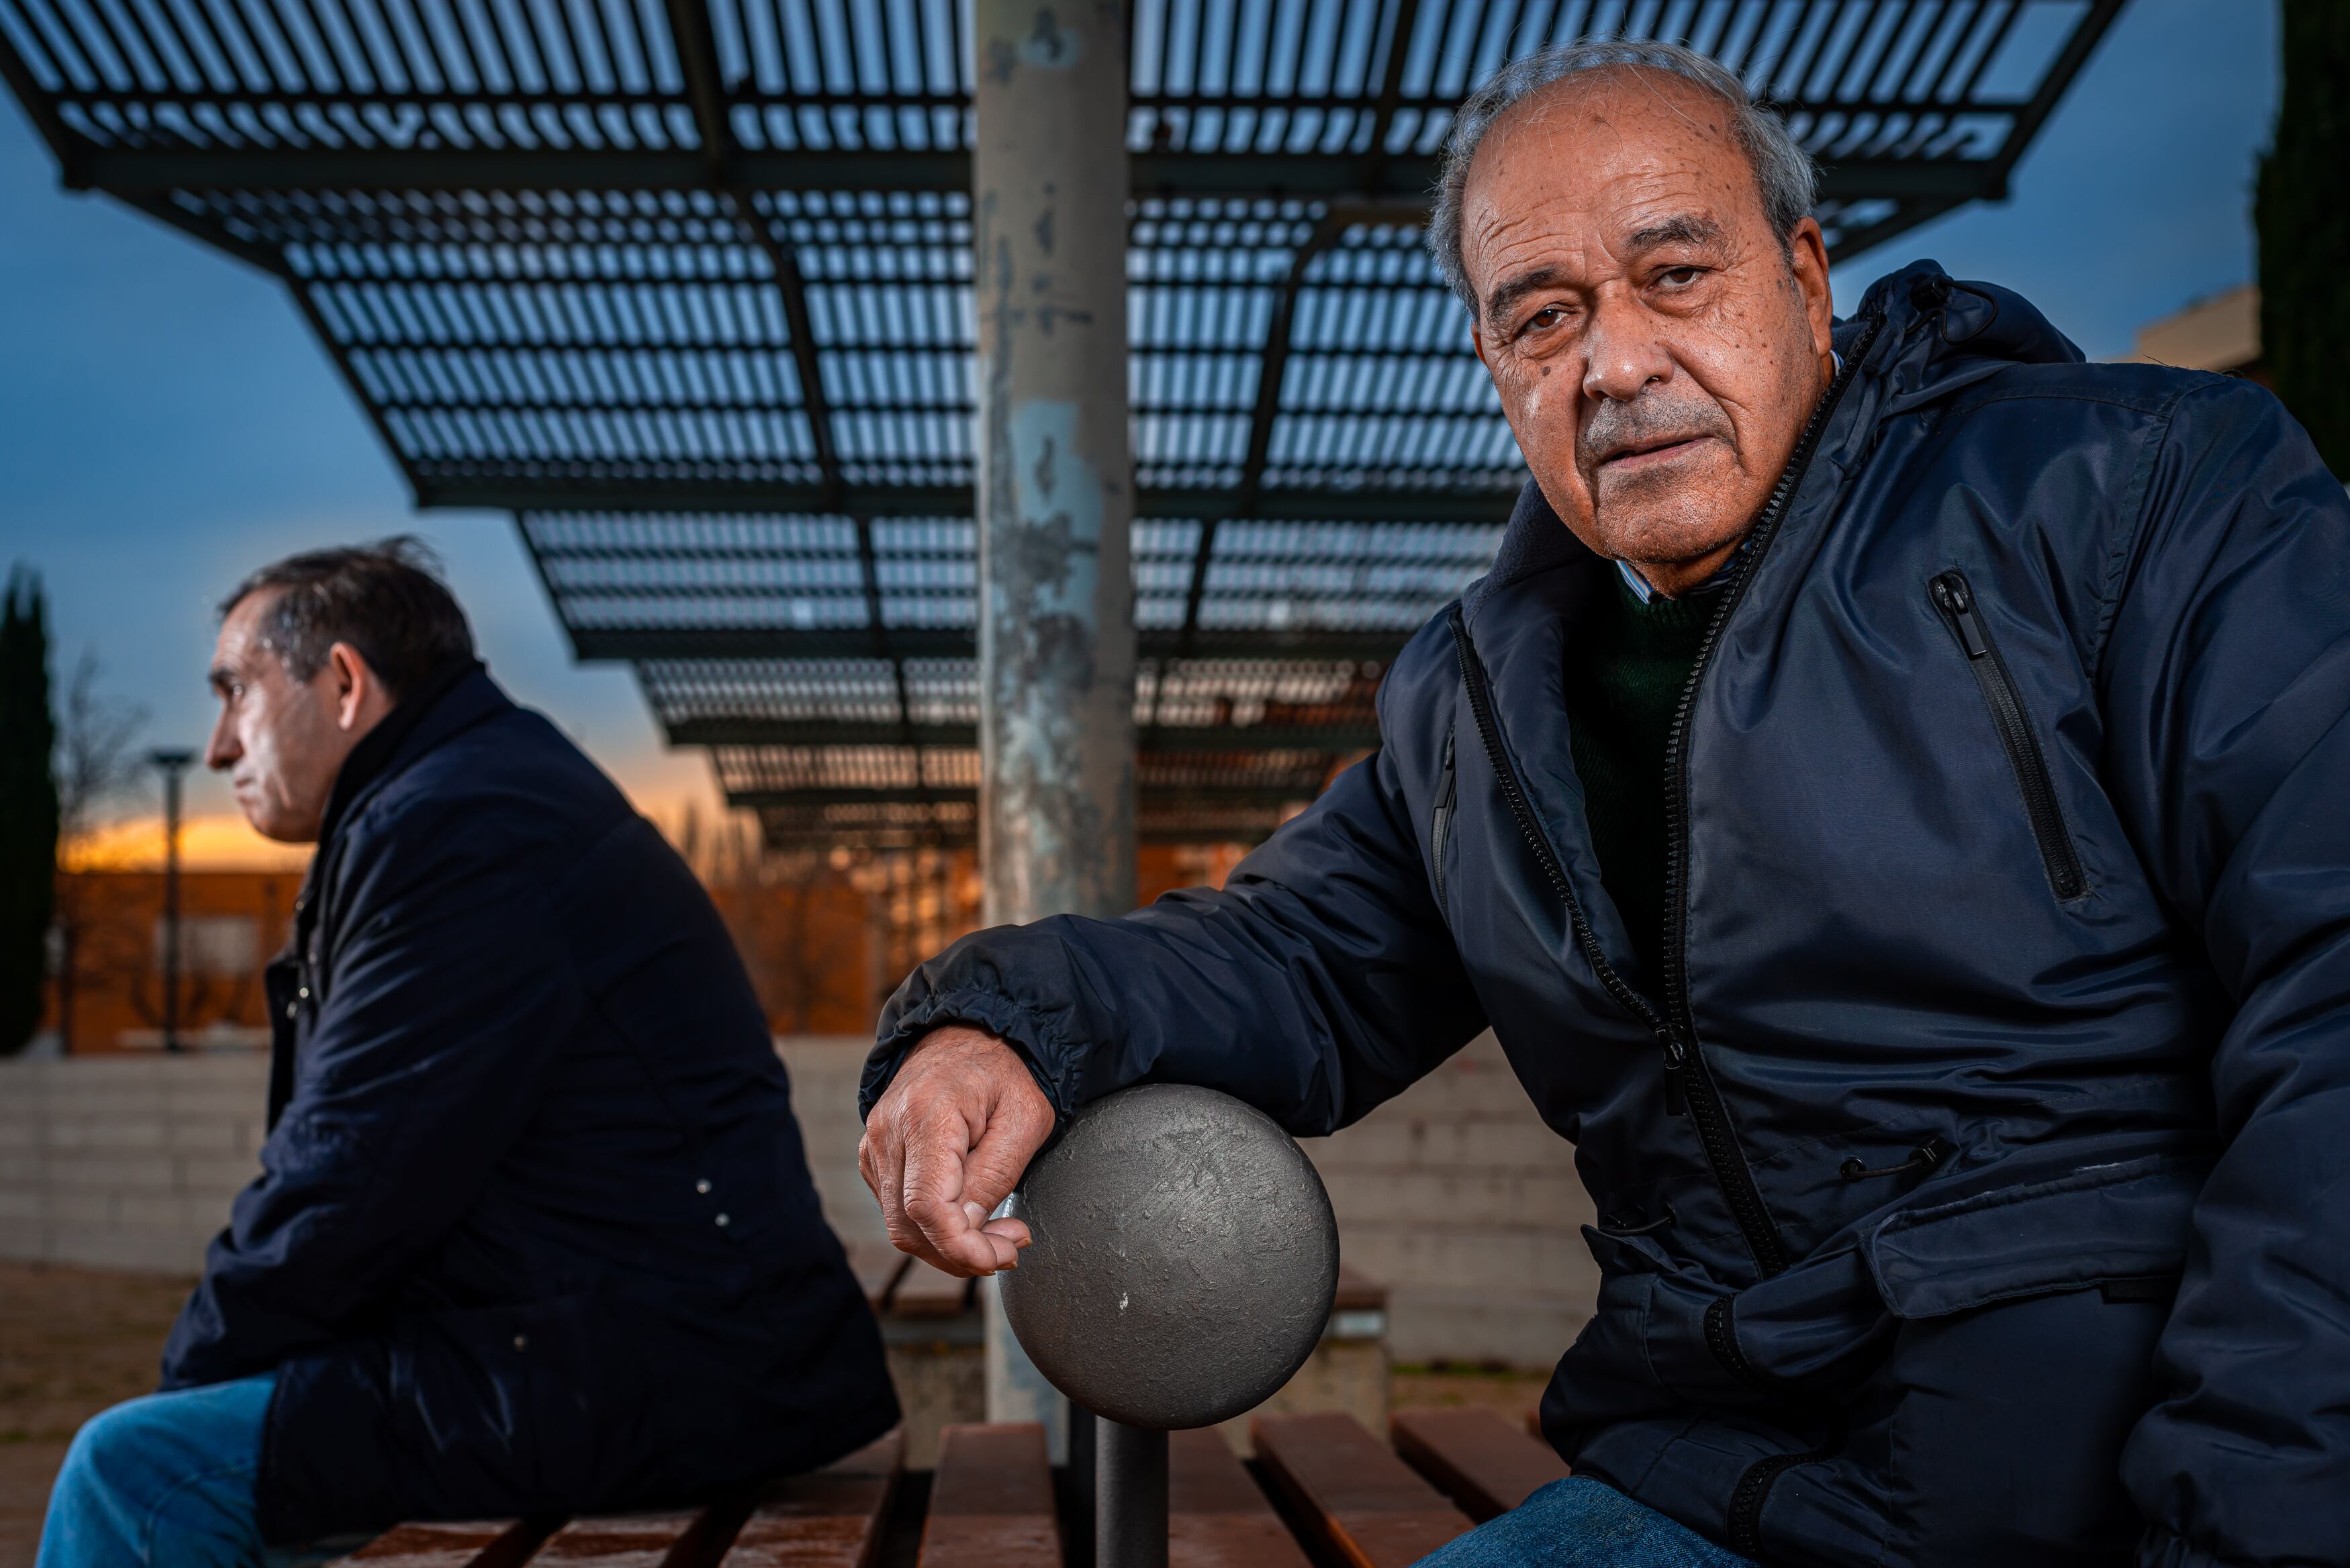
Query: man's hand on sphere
pixel 948 1142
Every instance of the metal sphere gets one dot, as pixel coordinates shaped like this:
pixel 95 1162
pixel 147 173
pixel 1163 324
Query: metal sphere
pixel 1184 1261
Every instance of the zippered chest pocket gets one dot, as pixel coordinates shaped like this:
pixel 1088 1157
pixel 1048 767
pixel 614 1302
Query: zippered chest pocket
pixel 1954 599
pixel 1439 823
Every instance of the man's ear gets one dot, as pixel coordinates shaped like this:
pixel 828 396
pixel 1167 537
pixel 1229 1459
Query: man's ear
pixel 1808 253
pixel 1477 341
pixel 356 691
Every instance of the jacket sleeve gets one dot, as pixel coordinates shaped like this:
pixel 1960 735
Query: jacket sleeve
pixel 448 994
pixel 1319 981
pixel 2227 677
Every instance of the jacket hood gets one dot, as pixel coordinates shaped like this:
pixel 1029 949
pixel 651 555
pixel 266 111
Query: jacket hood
pixel 1944 333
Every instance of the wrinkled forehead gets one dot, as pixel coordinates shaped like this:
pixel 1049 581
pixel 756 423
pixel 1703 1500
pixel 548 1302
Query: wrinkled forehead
pixel 1602 153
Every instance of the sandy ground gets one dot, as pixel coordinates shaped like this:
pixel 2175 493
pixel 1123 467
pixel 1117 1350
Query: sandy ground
pixel 74 1341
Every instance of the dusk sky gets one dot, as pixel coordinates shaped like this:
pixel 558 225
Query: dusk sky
pixel 167 422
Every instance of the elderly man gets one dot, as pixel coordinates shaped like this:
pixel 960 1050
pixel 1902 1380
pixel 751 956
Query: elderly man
pixel 533 1232
pixel 1888 799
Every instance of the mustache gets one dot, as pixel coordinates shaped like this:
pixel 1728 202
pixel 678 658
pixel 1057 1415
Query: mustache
pixel 1643 423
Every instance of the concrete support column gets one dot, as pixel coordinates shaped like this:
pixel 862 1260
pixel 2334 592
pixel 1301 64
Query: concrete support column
pixel 1054 497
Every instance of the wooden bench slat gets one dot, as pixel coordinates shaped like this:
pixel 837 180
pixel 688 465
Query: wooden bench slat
pixel 685 1538
pixel 831 1519
pixel 1369 1508
pixel 991 1500
pixel 1216 1516
pixel 468 1544
pixel 1475 1457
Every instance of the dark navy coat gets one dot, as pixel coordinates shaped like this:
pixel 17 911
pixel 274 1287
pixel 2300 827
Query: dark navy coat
pixel 533 1232
pixel 1977 1172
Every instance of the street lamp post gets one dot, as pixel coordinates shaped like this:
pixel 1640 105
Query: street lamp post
pixel 170 763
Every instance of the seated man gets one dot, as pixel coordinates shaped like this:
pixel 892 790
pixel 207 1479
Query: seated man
pixel 1888 799
pixel 533 1231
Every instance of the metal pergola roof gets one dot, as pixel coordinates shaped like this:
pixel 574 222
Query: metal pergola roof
pixel 684 285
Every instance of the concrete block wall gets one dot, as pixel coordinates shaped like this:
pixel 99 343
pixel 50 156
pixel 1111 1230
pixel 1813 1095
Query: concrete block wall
pixel 825 1070
pixel 1456 1197
pixel 126 1162
pixel 1453 1195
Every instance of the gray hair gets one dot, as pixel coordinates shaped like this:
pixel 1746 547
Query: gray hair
pixel 1782 170
pixel 386 599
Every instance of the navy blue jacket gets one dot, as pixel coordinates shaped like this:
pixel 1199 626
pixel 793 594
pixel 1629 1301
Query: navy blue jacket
pixel 533 1232
pixel 1976 1174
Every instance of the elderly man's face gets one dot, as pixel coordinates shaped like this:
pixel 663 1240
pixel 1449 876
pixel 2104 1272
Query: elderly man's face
pixel 281 740
pixel 1656 349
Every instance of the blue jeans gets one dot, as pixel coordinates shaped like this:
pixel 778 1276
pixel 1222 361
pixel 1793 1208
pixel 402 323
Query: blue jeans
pixel 166 1481
pixel 1579 1524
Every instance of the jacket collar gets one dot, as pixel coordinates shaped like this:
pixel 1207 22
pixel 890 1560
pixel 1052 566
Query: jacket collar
pixel 1939 336
pixel 1536 541
pixel 457 697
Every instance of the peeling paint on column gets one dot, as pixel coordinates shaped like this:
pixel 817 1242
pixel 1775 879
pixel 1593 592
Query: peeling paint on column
pixel 1054 497
pixel 1058 810
pixel 1055 634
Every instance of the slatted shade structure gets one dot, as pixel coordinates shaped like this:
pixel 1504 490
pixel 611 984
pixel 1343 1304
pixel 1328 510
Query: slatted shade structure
pixel 685 286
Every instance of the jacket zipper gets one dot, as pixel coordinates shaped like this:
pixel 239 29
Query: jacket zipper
pixel 1687 1081
pixel 1753 1488
pixel 1440 820
pixel 1729 1161
pixel 1955 598
pixel 1688 1087
pixel 1481 707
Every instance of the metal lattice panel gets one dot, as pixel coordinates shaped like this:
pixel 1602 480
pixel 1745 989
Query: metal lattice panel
pixel 685 286
pixel 841 704
pixel 1229 96
pixel 1283 652
pixel 886 797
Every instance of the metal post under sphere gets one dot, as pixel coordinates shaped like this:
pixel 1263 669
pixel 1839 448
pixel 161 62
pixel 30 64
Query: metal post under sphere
pixel 1184 1261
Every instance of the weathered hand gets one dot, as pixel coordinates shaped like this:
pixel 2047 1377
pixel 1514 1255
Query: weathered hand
pixel 946 1143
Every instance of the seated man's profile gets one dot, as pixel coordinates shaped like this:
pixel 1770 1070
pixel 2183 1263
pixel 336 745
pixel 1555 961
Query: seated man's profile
pixel 535 1231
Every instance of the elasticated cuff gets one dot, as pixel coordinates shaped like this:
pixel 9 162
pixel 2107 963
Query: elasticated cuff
pixel 1048 1063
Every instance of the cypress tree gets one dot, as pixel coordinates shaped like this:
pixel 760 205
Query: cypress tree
pixel 28 809
pixel 2302 212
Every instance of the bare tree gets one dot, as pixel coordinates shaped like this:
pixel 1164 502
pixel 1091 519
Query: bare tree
pixel 775 904
pixel 95 762
pixel 96 765
pixel 804 950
